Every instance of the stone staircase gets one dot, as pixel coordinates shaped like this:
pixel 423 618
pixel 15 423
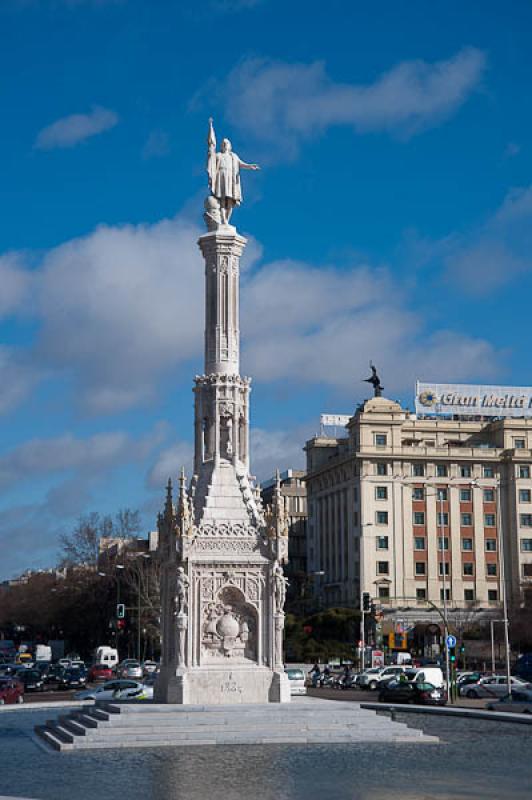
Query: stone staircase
pixel 304 721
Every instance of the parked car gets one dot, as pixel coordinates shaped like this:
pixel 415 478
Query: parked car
pixel 11 691
pixel 373 678
pixel 433 675
pixel 9 669
pixel 100 672
pixel 405 691
pixel 31 678
pixel 72 678
pixel 107 690
pixel 297 680
pixel 130 668
pixel 52 674
pixel 519 702
pixel 465 678
pixel 78 664
pixel 149 666
pixel 492 686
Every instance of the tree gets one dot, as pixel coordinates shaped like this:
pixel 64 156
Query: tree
pixel 82 545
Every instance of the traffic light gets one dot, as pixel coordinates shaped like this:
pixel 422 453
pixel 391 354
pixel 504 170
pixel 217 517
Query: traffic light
pixel 120 611
pixel 366 602
pixel 121 624
pixel 462 649
pixel 452 654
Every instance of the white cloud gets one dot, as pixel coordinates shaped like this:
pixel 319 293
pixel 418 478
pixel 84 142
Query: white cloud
pixel 89 456
pixel 169 463
pixel 282 103
pixel 17 377
pixel 69 131
pixel 14 283
pixel 492 255
pixel 121 309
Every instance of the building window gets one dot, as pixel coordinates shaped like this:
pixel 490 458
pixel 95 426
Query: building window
pixel 444 568
pixel 381 517
pixel 355 495
pixel 491 570
pixel 524 471
pixel 527 570
pixel 441 470
pixel 491 545
pixel 384 592
pixel 469 595
pixel 489 472
pixel 443 495
pixel 421 594
pixel 382 542
pixel 443 542
pixel 442 518
pixel 383 567
pixel 493 595
pixel 465 495
pixel 465 472
pixel 381 439
pixel 489 520
pixel 519 444
pixel 467 544
pixel 447 595
pixel 381 492
pixel 418 470
pixel 418 493
pixel 421 568
pixel 526 545
pixel 419 543
pixel 466 520
pixel 524 495
pixel 419 517
pixel 382 468
pixel 525 520
pixel 468 568
pixel 489 495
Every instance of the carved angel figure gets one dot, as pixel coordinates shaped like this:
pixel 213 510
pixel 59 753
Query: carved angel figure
pixel 279 587
pixel 181 597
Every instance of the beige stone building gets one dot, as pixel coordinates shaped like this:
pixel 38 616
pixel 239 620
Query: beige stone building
pixel 405 507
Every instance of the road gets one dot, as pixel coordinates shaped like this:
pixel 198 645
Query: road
pixel 361 696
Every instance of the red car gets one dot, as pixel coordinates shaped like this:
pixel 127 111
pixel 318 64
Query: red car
pixel 100 672
pixel 11 691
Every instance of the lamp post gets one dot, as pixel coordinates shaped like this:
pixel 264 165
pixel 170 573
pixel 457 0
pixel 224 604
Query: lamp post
pixel 500 543
pixel 502 581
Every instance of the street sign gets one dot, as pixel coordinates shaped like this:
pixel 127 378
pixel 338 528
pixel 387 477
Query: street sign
pixel 451 641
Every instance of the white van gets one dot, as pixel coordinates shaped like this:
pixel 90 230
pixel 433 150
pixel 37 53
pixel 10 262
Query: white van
pixel 106 655
pixel 432 675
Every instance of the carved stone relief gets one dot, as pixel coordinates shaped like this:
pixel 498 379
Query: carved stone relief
pixel 229 628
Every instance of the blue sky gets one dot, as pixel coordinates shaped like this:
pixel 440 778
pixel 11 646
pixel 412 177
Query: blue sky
pixel 391 220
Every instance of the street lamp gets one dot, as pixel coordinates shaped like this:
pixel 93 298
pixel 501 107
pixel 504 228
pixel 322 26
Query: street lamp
pixel 502 581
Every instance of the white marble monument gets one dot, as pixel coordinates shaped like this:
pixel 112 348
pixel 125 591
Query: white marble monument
pixel 222 582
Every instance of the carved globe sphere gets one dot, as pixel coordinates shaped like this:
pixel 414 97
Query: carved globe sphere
pixel 228 625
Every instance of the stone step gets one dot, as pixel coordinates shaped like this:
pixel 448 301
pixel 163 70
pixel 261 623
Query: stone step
pixel 59 731
pixel 73 726
pixel 117 725
pixel 49 738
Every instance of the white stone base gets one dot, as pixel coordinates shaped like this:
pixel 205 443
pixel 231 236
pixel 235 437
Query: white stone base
pixel 222 686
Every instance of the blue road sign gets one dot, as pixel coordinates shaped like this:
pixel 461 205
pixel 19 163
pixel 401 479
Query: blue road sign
pixel 451 641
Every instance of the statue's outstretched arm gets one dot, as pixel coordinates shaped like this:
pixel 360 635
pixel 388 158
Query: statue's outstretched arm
pixel 243 165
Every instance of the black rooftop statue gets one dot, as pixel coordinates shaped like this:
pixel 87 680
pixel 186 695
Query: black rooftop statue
pixel 375 381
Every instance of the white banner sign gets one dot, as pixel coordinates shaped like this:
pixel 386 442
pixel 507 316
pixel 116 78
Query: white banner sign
pixel 334 420
pixel 443 399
